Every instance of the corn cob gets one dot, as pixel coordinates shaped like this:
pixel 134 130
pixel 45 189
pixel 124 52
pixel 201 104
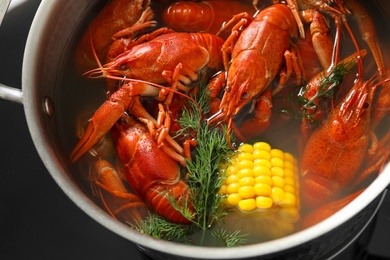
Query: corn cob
pixel 259 177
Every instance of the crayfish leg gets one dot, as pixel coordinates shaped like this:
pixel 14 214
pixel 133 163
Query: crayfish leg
pixel 118 201
pixel 327 210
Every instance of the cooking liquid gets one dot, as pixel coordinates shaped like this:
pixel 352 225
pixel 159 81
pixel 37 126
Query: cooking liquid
pixel 79 97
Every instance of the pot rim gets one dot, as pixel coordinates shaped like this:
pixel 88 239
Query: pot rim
pixel 33 108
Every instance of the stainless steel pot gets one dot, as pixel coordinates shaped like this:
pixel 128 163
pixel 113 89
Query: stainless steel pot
pixel 52 33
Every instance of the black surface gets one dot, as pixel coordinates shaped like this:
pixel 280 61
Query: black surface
pixel 37 220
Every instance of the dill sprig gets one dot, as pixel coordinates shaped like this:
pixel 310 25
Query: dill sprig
pixel 327 86
pixel 191 118
pixel 204 178
pixel 231 239
pixel 158 227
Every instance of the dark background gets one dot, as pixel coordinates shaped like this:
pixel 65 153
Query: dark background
pixel 37 220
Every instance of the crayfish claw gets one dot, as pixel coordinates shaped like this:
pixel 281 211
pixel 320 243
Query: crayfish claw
pixel 88 140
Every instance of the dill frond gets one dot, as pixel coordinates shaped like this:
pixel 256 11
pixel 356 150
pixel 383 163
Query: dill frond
pixel 327 86
pixel 204 178
pixel 158 227
pixel 192 115
pixel 182 205
pixel 230 239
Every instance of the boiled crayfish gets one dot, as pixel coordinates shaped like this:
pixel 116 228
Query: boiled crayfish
pixel 309 11
pixel 116 16
pixel 257 55
pixel 151 172
pixel 336 150
pixel 205 16
pixel 344 151
pixel 314 92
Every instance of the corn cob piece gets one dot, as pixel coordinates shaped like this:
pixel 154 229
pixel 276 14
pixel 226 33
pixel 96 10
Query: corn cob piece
pixel 259 177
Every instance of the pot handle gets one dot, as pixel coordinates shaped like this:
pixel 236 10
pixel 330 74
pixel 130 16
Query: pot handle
pixel 11 94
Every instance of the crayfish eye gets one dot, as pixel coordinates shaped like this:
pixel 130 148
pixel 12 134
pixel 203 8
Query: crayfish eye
pixel 366 105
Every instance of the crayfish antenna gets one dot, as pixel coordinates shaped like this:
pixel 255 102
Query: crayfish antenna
pixel 217 118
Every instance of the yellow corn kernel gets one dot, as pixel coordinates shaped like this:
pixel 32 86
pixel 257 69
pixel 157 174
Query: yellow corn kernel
pixel 247 204
pixel 289 188
pixel 289 181
pixel 234 199
pixel 277 181
pixel 262 146
pixel 277 171
pixel 232 179
pixel 231 170
pixel 289 165
pixel 245 164
pixel 246 192
pixel 263 162
pixel 245 173
pixel 264 179
pixel 233 188
pixel 289 200
pixel 289 172
pixel 263 202
pixel 277 195
pixel 261 154
pixel 245 156
pixel 223 189
pixel 262 189
pixel 261 170
pixel 277 162
pixel 276 153
pixel 289 157
pixel 234 162
pixel 246 148
pixel 247 181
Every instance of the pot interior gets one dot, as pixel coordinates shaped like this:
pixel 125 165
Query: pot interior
pixel 59 102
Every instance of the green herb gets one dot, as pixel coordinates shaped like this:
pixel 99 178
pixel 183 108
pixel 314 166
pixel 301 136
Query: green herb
pixel 158 227
pixel 192 116
pixel 204 180
pixel 211 151
pixel 230 239
pixel 327 86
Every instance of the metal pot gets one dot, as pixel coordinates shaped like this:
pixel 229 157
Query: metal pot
pixel 54 30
